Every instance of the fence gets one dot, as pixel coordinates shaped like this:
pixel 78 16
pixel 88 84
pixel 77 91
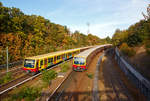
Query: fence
pixel 12 64
pixel 138 80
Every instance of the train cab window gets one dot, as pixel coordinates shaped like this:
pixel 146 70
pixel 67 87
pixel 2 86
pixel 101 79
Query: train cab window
pixel 29 63
pixel 79 61
pixel 41 62
pixel 45 61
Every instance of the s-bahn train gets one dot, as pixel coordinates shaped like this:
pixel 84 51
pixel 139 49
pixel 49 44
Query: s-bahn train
pixel 82 60
pixel 37 63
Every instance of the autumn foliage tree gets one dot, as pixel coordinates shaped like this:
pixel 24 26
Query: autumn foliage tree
pixel 29 35
pixel 136 34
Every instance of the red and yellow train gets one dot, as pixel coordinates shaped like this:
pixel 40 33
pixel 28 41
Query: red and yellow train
pixel 37 63
pixel 82 60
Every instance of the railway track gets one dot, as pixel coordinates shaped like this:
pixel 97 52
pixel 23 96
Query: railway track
pixel 58 92
pixel 14 71
pixel 69 89
pixel 6 87
pixel 19 81
pixel 119 90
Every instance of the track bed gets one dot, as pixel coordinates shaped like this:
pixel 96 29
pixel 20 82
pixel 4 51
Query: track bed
pixel 112 82
pixel 78 86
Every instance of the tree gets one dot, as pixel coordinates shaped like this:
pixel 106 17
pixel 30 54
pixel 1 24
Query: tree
pixel 108 39
pixel 47 76
pixel 148 13
pixel 29 35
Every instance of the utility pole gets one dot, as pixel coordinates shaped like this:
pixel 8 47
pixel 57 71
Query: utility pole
pixel 7 58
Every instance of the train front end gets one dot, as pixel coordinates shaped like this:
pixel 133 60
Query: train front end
pixel 79 63
pixel 29 66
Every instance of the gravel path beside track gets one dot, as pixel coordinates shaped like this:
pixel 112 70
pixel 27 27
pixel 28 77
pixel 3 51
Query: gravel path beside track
pixel 111 86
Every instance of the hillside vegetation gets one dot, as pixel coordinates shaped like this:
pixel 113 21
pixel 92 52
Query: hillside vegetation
pixel 134 43
pixel 28 35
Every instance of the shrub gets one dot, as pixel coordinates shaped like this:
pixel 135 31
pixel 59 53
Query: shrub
pixel 125 49
pixel 47 76
pixel 27 93
pixel 89 75
pixel 65 67
pixel 147 47
pixel 6 78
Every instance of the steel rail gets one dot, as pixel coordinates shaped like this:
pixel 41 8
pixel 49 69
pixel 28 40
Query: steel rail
pixel 20 83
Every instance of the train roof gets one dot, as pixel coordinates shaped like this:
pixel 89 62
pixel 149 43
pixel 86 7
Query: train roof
pixel 51 54
pixel 86 53
pixel 55 53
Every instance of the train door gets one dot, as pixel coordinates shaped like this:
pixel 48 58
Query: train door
pixel 37 65
pixel 55 60
pixel 45 63
pixel 41 64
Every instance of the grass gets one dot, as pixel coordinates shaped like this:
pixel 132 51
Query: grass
pixel 6 78
pixel 89 75
pixel 32 91
pixel 65 67
pixel 47 76
pixel 27 94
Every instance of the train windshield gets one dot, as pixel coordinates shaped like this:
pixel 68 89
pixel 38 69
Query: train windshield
pixel 79 61
pixel 29 63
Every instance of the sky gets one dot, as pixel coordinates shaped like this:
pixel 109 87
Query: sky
pixel 103 16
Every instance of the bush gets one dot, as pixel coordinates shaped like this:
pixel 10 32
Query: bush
pixel 147 47
pixel 27 93
pixel 6 78
pixel 65 67
pixel 125 49
pixel 47 76
pixel 89 75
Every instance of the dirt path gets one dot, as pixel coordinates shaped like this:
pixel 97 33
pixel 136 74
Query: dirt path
pixel 111 86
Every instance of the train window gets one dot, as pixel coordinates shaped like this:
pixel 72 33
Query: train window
pixel 37 64
pixel 41 62
pixel 63 56
pixel 58 57
pixel 55 59
pixel 45 61
pixel 70 54
pixel 51 59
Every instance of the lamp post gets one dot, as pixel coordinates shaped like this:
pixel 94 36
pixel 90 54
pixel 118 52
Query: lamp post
pixel 7 58
pixel 88 25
